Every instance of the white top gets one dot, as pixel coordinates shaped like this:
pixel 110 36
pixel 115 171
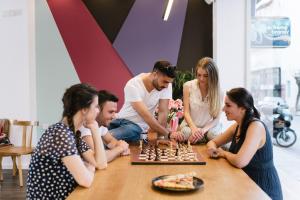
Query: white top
pixel 136 91
pixel 86 131
pixel 199 107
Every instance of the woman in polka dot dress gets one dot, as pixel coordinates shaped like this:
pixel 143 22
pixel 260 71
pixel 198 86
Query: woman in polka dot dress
pixel 62 160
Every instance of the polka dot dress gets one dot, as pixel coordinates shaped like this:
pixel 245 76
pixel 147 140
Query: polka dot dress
pixel 48 177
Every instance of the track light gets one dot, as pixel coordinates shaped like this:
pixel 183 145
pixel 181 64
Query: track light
pixel 168 10
pixel 209 1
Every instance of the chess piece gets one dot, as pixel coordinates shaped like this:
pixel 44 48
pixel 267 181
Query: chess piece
pixel 141 144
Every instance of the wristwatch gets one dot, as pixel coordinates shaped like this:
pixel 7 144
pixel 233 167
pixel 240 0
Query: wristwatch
pixel 169 135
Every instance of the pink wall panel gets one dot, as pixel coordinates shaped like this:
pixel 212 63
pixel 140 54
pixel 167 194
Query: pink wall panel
pixel 93 56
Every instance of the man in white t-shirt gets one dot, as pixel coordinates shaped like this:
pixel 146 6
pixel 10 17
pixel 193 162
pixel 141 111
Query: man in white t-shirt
pixel 108 108
pixel 143 93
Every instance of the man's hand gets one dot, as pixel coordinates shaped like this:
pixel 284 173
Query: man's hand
pixel 124 145
pixel 125 153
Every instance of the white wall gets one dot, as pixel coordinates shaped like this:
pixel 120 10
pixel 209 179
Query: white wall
pixel 17 66
pixel 229 44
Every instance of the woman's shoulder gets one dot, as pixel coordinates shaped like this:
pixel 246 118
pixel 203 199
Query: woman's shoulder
pixel 59 126
pixel 256 126
pixel 190 83
pixel 256 122
pixel 58 129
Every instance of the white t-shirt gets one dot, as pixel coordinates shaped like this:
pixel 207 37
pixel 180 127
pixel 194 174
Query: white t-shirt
pixel 135 91
pixel 86 131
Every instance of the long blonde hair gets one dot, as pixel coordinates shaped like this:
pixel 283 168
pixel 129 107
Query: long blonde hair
pixel 214 96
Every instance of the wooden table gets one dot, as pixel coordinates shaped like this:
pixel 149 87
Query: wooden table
pixel 121 180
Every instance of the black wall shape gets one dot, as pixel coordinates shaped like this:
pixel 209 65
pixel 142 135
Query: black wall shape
pixel 196 41
pixel 109 14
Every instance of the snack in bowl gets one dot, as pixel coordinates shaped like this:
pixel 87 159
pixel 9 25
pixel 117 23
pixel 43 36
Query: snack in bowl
pixel 178 181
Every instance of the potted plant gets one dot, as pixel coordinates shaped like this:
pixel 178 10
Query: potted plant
pixel 180 78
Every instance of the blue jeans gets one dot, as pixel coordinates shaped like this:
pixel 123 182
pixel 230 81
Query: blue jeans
pixel 123 129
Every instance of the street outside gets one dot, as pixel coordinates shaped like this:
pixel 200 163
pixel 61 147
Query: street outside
pixel 287 163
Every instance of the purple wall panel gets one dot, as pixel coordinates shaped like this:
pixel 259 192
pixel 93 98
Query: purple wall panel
pixel 145 37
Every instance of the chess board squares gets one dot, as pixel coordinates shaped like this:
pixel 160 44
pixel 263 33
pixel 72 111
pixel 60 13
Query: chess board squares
pixel 182 152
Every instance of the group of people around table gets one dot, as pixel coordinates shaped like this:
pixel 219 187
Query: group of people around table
pixel 91 133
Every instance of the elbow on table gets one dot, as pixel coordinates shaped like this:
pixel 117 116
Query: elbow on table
pixel 86 181
pixel 101 165
pixel 240 163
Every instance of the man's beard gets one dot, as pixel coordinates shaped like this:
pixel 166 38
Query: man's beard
pixel 155 85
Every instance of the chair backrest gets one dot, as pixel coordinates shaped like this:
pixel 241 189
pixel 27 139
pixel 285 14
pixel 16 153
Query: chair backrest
pixel 27 129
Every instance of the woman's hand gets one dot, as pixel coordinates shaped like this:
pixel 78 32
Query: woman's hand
pixel 93 125
pixel 212 152
pixel 177 135
pixel 197 134
pixel 221 153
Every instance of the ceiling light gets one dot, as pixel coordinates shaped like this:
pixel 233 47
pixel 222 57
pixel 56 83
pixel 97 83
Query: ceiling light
pixel 168 10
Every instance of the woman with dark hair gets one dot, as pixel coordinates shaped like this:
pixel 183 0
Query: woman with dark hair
pixel 62 160
pixel 202 103
pixel 251 147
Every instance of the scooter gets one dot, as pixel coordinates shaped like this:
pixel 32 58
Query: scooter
pixel 284 135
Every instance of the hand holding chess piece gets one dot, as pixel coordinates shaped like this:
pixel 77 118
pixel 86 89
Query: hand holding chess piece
pixel 152 136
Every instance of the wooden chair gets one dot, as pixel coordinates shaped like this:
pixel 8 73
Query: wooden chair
pixel 15 152
pixel 4 129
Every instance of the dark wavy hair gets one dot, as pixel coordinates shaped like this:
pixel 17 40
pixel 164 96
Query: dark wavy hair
pixel 75 98
pixel 165 68
pixel 243 98
pixel 104 96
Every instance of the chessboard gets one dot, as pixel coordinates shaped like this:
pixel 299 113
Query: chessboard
pixel 162 154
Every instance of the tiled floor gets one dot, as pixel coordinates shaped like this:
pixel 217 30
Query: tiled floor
pixel 287 163
pixel 9 187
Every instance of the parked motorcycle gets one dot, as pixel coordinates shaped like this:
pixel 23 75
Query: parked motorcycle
pixel 284 135
pixel 279 120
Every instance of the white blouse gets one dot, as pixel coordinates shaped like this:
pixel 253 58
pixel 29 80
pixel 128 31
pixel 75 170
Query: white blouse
pixel 199 107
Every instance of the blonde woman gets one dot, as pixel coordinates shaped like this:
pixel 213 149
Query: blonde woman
pixel 202 103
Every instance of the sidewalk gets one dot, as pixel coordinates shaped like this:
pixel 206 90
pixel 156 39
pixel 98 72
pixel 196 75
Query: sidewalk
pixel 287 163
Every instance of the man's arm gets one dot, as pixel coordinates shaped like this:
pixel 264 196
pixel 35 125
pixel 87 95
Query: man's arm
pixel 121 148
pixel 163 111
pixel 142 110
pixel 111 154
pixel 109 140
